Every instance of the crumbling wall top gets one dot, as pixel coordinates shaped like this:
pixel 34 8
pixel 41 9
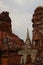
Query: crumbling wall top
pixel 4 16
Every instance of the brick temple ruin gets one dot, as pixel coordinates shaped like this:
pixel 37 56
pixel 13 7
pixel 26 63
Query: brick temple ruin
pixel 13 50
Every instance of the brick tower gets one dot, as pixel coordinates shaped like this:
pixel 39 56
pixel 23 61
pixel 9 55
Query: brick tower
pixel 37 41
pixel 10 43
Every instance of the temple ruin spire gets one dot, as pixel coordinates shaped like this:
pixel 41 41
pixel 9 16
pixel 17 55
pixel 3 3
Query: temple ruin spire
pixel 28 43
pixel 27 38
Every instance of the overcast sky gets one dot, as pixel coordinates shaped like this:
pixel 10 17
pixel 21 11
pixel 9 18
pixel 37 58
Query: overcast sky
pixel 20 12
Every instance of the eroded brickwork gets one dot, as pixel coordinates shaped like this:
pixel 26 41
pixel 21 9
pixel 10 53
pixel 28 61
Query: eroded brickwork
pixel 13 50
